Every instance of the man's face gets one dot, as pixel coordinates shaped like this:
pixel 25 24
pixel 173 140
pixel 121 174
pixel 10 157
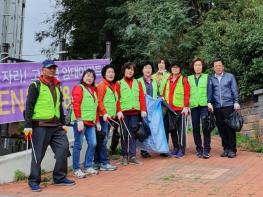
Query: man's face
pixel 49 72
pixel 218 67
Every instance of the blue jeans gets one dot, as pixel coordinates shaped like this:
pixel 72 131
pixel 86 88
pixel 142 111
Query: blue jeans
pixel 100 156
pixel 90 136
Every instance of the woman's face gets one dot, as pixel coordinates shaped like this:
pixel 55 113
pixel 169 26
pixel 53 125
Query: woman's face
pixel 198 67
pixel 161 65
pixel 88 78
pixel 129 72
pixel 147 70
pixel 175 70
pixel 110 74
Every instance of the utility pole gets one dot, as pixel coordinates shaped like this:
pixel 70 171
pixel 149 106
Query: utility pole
pixel 62 49
pixel 108 50
pixel 4 52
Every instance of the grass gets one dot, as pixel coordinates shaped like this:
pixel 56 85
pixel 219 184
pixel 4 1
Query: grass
pixel 168 178
pixel 252 144
pixel 19 175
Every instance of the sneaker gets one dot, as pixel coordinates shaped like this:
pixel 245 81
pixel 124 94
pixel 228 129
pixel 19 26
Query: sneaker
pixel 124 161
pixel 65 182
pixel 96 166
pixel 108 167
pixel 79 174
pixel 179 154
pixel 206 155
pixel 145 154
pixel 231 154
pixel 91 171
pixel 134 160
pixel 165 154
pixel 174 152
pixel 35 187
pixel 225 153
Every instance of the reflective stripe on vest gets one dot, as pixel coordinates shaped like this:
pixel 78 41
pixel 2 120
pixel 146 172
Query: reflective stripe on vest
pixel 178 97
pixel 154 87
pixel 162 82
pixel 45 108
pixel 129 97
pixel 110 101
pixel 198 94
pixel 88 106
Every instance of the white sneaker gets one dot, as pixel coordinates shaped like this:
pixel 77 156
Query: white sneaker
pixel 91 171
pixel 79 174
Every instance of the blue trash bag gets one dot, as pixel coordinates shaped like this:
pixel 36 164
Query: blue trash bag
pixel 157 141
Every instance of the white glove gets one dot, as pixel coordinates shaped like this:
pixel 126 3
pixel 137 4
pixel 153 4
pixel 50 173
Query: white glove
pixel 120 115
pixel 185 111
pixel 210 107
pixel 27 131
pixel 80 125
pixel 143 114
pixel 236 106
pixel 98 126
pixel 105 117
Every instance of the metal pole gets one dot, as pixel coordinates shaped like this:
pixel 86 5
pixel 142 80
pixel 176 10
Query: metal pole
pixel 62 52
pixel 4 53
pixel 108 50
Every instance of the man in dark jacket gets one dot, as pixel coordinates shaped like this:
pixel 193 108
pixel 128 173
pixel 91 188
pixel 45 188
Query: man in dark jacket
pixel 45 120
pixel 223 99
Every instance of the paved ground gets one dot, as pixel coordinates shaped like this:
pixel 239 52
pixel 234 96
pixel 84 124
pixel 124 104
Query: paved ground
pixel 189 176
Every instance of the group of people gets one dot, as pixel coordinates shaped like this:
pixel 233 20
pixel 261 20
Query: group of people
pixel 96 107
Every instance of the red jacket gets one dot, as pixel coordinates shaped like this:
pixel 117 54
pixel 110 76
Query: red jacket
pixel 77 95
pixel 101 91
pixel 141 98
pixel 171 92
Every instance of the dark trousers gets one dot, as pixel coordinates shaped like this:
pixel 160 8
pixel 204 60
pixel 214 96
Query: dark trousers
pixel 198 113
pixel 128 142
pixel 227 134
pixel 57 139
pixel 178 135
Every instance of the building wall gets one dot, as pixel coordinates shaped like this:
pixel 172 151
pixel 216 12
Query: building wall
pixel 11 25
pixel 252 111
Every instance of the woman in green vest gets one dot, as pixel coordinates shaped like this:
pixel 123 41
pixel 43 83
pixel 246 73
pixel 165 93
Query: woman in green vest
pixel 85 116
pixel 198 104
pixel 161 75
pixel 130 105
pixel 149 88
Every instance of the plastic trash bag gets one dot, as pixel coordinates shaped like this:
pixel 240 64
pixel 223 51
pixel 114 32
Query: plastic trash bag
pixel 209 122
pixel 235 121
pixel 144 131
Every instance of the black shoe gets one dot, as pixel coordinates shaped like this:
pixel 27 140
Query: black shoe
pixel 206 155
pixel 165 154
pixel 145 154
pixel 231 154
pixel 225 153
pixel 199 153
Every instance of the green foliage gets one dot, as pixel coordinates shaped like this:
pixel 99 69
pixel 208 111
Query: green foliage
pixel 249 143
pixel 19 175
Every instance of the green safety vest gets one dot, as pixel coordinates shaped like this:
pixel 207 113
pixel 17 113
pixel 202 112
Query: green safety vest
pixel 198 94
pixel 45 108
pixel 178 97
pixel 88 106
pixel 163 81
pixel 110 101
pixel 154 86
pixel 129 97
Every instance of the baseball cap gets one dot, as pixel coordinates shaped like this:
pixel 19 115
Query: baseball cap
pixel 48 63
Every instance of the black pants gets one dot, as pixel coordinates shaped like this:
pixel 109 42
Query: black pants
pixel 227 134
pixel 57 139
pixel 178 135
pixel 197 114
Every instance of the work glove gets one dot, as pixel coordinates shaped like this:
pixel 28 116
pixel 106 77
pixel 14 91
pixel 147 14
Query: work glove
pixel 120 115
pixel 143 114
pixel 80 125
pixel 27 132
pixel 236 106
pixel 185 111
pixel 105 117
pixel 98 126
pixel 65 128
pixel 210 107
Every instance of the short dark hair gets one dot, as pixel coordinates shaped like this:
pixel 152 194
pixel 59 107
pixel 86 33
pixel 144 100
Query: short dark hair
pixel 218 59
pixel 146 62
pixel 105 68
pixel 175 63
pixel 127 65
pixel 89 70
pixel 158 61
pixel 196 60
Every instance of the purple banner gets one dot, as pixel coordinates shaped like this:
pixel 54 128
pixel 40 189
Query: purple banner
pixel 16 78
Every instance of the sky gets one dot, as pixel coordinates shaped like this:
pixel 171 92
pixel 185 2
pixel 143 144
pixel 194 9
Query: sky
pixel 36 12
